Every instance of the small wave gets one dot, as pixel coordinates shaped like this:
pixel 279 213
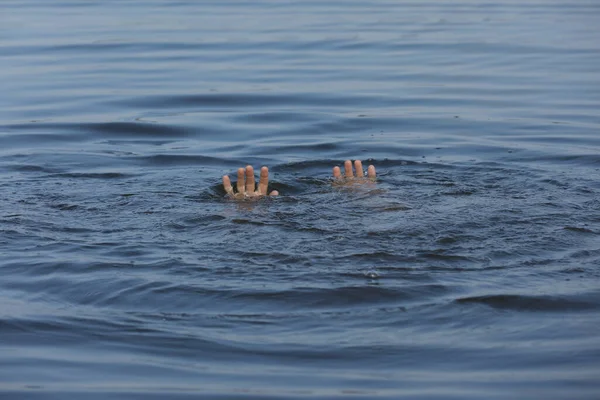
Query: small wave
pixel 33 168
pixel 64 207
pixel 531 303
pixel 182 159
pixel 243 100
pixel 92 175
pixel 579 229
pixel 277 117
pixel 341 297
pixel 118 130
pixel 577 159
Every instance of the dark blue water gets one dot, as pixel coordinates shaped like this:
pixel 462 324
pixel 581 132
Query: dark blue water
pixel 470 270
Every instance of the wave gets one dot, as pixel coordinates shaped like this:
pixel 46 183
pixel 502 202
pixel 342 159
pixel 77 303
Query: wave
pixel 543 303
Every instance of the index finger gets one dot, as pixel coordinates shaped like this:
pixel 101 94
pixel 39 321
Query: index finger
pixel 348 169
pixel 227 185
pixel 250 181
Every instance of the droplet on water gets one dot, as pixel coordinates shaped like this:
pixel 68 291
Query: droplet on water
pixel 372 274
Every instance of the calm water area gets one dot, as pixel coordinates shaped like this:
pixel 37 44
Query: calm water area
pixel 469 270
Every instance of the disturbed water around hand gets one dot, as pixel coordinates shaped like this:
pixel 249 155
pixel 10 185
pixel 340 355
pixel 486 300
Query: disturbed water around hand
pixel 469 270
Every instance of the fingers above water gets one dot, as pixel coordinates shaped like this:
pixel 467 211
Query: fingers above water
pixel 358 168
pixel 241 179
pixel 227 185
pixel 371 172
pixel 250 181
pixel 246 184
pixel 348 169
pixel 337 173
pixel 350 174
pixel 263 184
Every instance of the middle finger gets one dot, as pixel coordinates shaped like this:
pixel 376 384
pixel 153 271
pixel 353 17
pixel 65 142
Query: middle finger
pixel 241 181
pixel 250 182
pixel 359 169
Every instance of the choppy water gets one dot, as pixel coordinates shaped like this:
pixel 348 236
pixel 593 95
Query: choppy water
pixel 471 269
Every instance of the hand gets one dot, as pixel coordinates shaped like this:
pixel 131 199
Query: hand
pixel 349 177
pixel 246 184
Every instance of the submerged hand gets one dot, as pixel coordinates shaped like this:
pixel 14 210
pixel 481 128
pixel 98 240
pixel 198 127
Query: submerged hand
pixel 349 178
pixel 246 184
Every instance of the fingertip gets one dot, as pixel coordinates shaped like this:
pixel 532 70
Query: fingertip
pixel 371 172
pixel 348 169
pixel 274 193
pixel 241 178
pixel 337 173
pixel 359 168
pixel 227 185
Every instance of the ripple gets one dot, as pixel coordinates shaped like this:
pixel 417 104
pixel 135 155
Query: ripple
pixel 90 175
pixel 108 130
pixel 531 303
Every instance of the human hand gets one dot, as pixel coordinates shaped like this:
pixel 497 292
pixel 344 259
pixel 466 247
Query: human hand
pixel 246 184
pixel 349 177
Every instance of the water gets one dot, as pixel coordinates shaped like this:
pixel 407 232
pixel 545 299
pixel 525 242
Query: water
pixel 470 270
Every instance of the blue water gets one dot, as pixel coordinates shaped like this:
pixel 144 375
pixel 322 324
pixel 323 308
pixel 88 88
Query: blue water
pixel 470 270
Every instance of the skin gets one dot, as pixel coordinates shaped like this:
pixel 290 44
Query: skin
pixel 350 177
pixel 246 184
pixel 247 188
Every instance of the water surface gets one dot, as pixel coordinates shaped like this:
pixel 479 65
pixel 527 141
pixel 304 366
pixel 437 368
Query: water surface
pixel 469 270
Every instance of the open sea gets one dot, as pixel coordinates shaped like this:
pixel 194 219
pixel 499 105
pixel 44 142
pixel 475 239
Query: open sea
pixel 469 270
